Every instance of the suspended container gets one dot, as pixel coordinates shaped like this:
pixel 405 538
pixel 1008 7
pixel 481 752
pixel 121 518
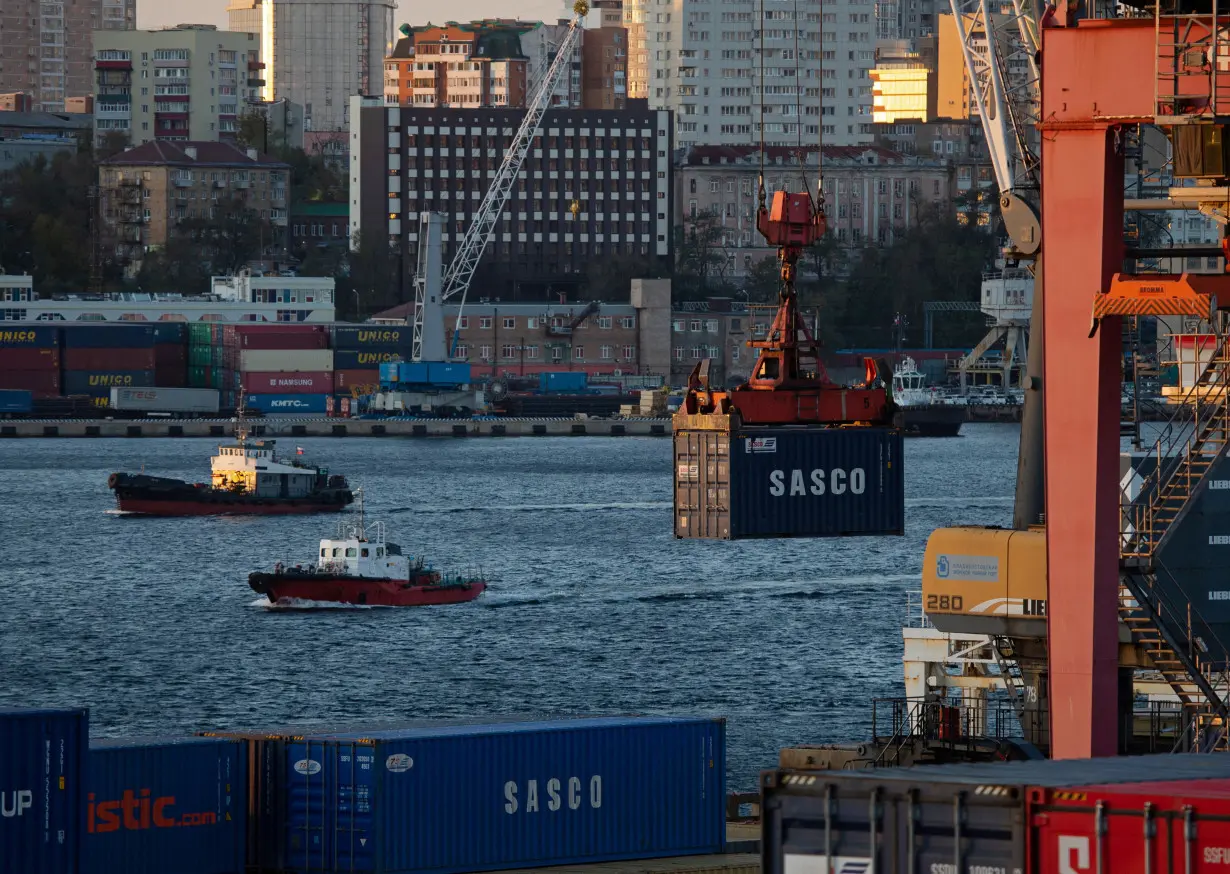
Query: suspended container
pixel 788 481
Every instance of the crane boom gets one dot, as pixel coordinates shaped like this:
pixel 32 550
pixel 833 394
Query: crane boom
pixel 478 234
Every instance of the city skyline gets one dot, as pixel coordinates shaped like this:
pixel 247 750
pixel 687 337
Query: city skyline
pixel 165 13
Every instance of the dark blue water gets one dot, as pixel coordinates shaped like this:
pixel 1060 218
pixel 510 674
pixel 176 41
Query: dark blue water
pixel 597 609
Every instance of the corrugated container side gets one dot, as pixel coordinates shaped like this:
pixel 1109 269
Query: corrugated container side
pixel 368 381
pixel 373 337
pixel 166 354
pixel 252 329
pixel 448 373
pixel 94 382
pixel 274 360
pixel 292 382
pixel 279 341
pixel 16 401
pixel 29 337
pixel 479 798
pixel 566 381
pixel 29 358
pixel 42 790
pixel 112 359
pixel 129 335
pixel 166 805
pixel 165 399
pixel 363 359
pixel 43 383
pixel 170 333
pixel 289 404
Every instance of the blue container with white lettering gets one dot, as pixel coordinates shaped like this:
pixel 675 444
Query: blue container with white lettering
pixel 451 799
pixel 42 790
pixel 789 481
pixel 171 804
pixel 289 405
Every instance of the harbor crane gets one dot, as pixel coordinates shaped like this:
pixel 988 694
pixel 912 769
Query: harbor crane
pixel 431 289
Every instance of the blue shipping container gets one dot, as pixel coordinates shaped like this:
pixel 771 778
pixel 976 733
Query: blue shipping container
pixel 300 405
pixel 156 806
pixel 448 373
pixel 120 335
pixel 363 359
pixel 42 790
pixel 16 400
pixel 789 482
pixel 170 332
pixel 403 373
pixel 372 337
pixel 562 382
pixel 32 337
pixel 100 382
pixel 521 794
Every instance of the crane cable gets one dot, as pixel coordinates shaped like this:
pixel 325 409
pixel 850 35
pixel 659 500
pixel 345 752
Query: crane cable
pixel 760 190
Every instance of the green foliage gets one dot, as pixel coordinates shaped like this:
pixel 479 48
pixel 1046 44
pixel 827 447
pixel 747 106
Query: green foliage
pixel 701 259
pixel 311 177
pixel 763 281
pixel 368 278
pixel 607 279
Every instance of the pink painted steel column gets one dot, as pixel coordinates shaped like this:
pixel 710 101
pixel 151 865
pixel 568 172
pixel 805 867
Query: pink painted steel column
pixel 1082 220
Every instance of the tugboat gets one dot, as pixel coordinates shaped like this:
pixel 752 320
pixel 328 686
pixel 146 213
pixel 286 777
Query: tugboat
pixel 360 567
pixel 924 415
pixel 249 477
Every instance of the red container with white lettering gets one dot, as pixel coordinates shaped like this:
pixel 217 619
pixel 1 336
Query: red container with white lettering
pixel 1132 828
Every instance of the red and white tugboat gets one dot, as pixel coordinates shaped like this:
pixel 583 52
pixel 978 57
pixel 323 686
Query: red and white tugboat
pixel 361 567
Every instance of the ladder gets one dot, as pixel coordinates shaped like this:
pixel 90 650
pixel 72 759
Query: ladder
pixel 1010 672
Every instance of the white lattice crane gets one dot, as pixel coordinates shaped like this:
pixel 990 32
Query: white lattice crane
pixel 430 290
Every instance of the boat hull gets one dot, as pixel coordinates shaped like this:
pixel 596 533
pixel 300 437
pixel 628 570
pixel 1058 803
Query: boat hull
pixel 934 420
pixel 362 591
pixel 160 496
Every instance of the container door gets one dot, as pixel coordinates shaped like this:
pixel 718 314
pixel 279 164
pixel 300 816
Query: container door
pixel 825 830
pixel 702 484
pixel 354 846
pixel 307 771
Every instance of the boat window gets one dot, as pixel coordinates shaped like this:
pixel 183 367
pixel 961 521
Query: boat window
pixel 366 552
pixel 336 551
pixel 351 552
pixel 323 551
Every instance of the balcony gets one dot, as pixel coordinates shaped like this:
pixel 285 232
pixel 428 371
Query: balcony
pixel 256 83
pixel 181 181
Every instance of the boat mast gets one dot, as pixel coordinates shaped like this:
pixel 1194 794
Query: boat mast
pixel 241 425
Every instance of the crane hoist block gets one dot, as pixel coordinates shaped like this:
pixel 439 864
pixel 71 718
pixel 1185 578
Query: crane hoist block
pixel 1189 294
pixel 791 220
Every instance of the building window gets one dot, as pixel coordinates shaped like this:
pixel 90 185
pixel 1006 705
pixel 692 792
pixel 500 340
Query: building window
pixel 510 322
pixel 627 323
pixel 531 323
pixel 736 325
pixel 698 352
pixel 678 353
pixel 680 326
pixel 463 351
pixel 578 353
pixel 508 350
pixel 484 322
pixel 484 352
pixel 604 322
pixel 711 326
pixel 531 352
pixel 734 353
pixel 605 353
pixel 694 325
pixel 463 322
pixel 629 353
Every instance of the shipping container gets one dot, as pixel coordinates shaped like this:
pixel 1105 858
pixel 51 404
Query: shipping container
pixel 115 335
pixel 203 356
pixel 789 482
pixel 29 358
pixel 448 373
pixel 93 381
pixel 77 358
pixel 563 381
pixel 15 400
pixel 363 359
pixel 170 333
pixel 165 399
pixel 290 382
pixel 42 383
pixel 286 360
pixel 200 334
pixel 487 797
pixel 289 404
pixel 372 337
pixel 934 818
pixel 279 341
pixel 29 337
pixel 170 354
pixel 42 790
pixel 403 373
pixel 362 381
pixel 168 805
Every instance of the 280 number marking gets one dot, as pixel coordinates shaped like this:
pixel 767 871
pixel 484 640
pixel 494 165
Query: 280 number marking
pixel 945 602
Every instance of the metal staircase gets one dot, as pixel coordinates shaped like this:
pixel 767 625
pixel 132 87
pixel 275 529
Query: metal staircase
pixel 1163 623
pixel 1010 672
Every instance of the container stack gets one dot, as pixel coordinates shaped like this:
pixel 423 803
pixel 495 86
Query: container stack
pixel 205 355
pixel 30 360
pixel 359 351
pixel 98 357
pixel 281 368
pixel 171 354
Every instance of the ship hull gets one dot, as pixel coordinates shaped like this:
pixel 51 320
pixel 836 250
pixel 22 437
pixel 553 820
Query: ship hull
pixel 934 420
pixel 159 496
pixel 361 591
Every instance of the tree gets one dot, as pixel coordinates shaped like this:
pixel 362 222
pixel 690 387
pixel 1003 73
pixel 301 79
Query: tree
pixel 368 279
pixel 45 221
pixel 763 281
pixel 254 132
pixel 701 259
pixel 607 279
pixel 229 238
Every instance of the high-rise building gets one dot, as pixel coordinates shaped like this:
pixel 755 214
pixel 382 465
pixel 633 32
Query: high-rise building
pixel 903 86
pixel 46 49
pixel 703 60
pixel 319 53
pixel 189 82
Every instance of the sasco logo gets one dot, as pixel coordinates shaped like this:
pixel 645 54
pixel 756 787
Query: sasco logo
pixel 557 793
pixel 16 803
pixel 1073 854
pixel 815 482
pixel 379 336
pixel 376 357
pixel 139 810
pixel 110 379
pixel 16 336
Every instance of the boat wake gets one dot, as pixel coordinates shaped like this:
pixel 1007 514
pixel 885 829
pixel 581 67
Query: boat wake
pixel 538 508
pixel 305 604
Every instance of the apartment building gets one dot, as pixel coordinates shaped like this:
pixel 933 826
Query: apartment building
pixel 871 193
pixel 189 82
pixel 595 183
pixel 147 190
pixel 46 49
pixel 319 53
pixel 703 61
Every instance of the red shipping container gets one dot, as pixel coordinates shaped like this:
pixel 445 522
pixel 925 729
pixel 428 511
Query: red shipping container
pixel 171 375
pixel 1131 828
pixel 29 359
pixel 43 383
pixel 109 359
pixel 287 383
pixel 170 354
pixel 367 380
pixel 282 341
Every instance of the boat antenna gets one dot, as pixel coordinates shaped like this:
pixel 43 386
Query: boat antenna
pixel 241 425
pixel 358 497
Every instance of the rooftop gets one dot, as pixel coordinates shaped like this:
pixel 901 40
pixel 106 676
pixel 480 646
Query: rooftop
pixel 789 156
pixel 207 154
pixel 66 121
pixel 326 210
